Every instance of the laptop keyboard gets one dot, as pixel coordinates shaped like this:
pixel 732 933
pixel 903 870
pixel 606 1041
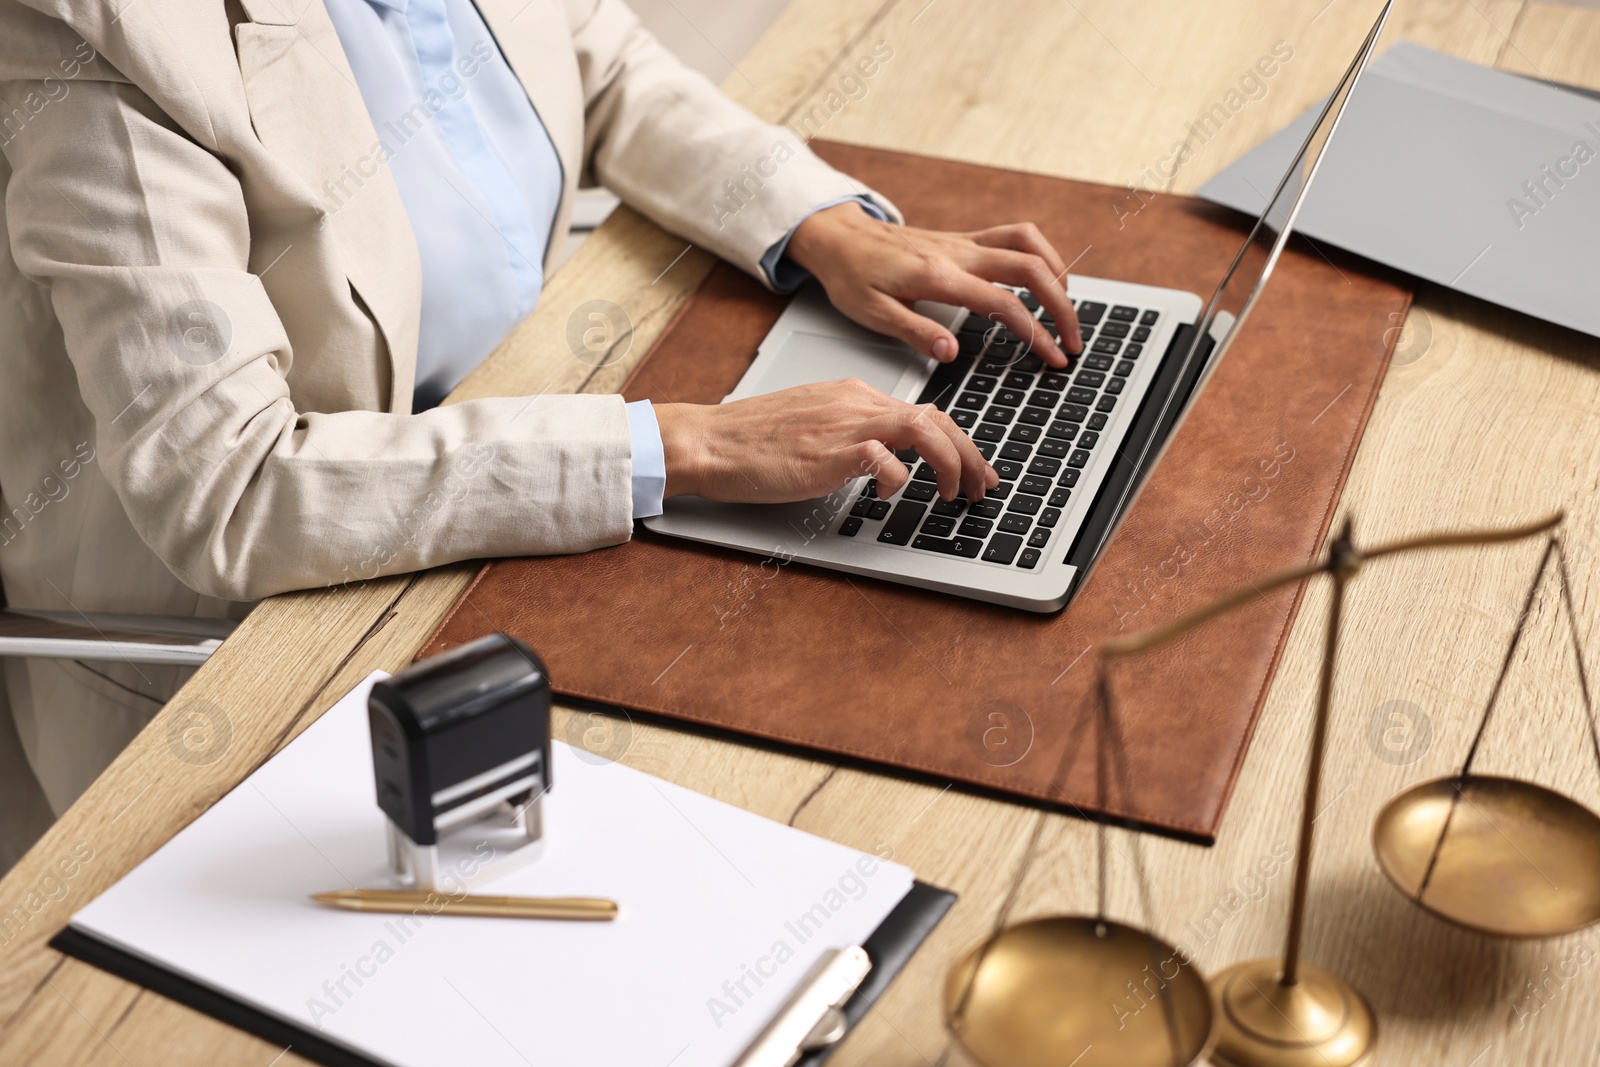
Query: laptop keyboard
pixel 1038 427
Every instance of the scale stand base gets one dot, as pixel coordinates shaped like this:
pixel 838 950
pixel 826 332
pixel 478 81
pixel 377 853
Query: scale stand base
pixel 1320 1021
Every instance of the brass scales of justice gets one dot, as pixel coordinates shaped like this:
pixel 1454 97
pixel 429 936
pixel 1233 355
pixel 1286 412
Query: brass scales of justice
pixel 1500 856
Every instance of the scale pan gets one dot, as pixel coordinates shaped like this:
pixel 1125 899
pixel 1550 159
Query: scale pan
pixel 1049 990
pixel 1519 860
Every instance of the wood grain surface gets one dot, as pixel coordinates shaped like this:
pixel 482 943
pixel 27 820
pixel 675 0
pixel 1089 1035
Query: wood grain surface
pixel 1486 418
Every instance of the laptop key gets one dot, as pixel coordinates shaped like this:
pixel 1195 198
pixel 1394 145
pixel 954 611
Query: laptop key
pixel 1035 485
pixel 1002 548
pixel 985 449
pixel 989 432
pixel 1069 478
pixel 1106 403
pixel 1044 466
pixel 1014 523
pixel 969 344
pixel 923 491
pixel 1062 431
pixel 1039 538
pixel 850 527
pixel 1029 558
pixel 925 473
pixel 1089 379
pixel 1034 416
pixel 949 507
pixel 951 546
pixel 1114 386
pixel 1019 381
pixel 1132 351
pixel 859 510
pixel 1141 333
pixel 1072 413
pixel 1029 301
pixel 994 363
pixel 1124 368
pixel 1114 329
pixel 1053 448
pixel 972 526
pixel 1059 498
pixel 964 418
pixel 897 531
pixel 1089 312
pixel 1030 364
pixel 1079 395
pixel 1124 313
pixel 1016 450
pixel 1106 346
pixel 1025 434
pixel 1097 421
pixel 907 456
pixel 1027 505
pixel 1011 398
pixel 979 383
pixel 1055 380
pixel 972 400
pixel 1049 517
pixel 1088 439
pixel 1045 398
pixel 1078 458
pixel 1008 469
pixel 1086 332
pixel 1000 491
pixel 996 413
pixel 1149 318
pixel 984 509
pixel 1098 362
pixel 938 526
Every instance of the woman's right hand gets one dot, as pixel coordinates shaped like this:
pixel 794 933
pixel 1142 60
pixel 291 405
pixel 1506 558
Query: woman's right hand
pixel 810 441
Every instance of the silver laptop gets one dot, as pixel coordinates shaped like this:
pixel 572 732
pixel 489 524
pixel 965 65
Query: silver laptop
pixel 1072 447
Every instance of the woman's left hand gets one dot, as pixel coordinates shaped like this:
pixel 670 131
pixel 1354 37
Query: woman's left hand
pixel 874 271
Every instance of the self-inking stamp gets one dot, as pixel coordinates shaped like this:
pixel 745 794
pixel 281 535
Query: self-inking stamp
pixel 461 741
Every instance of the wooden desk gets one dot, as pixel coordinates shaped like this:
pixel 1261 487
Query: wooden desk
pixel 1488 418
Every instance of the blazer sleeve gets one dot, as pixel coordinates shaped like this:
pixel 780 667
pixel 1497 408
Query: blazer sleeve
pixel 141 237
pixel 674 147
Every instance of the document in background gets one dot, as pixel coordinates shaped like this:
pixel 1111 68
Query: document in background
pixel 1473 178
pixel 723 913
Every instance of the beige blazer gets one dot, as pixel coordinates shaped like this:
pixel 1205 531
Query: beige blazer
pixel 208 319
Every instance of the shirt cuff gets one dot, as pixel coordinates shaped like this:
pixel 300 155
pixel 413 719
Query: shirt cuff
pixel 649 460
pixel 786 275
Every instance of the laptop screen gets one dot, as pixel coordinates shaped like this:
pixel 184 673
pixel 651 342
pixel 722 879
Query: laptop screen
pixel 1247 275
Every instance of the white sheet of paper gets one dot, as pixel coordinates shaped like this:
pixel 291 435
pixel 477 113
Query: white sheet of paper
pixel 722 913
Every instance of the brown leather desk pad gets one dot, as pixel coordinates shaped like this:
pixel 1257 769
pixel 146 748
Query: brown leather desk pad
pixel 953 689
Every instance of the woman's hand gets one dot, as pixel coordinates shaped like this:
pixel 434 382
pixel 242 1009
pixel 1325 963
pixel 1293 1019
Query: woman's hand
pixel 874 271
pixel 809 441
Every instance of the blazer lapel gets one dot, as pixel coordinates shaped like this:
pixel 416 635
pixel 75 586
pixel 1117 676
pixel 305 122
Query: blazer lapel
pixel 308 112
pixel 534 37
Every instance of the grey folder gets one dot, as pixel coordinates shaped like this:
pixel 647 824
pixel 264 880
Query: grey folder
pixel 1473 178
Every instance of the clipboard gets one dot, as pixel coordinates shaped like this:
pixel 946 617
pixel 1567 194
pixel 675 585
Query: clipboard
pixel 219 920
pixel 890 948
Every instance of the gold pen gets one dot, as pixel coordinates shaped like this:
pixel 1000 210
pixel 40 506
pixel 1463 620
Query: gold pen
pixel 587 909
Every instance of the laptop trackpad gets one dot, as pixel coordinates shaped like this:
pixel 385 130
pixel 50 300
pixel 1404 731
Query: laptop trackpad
pixel 811 357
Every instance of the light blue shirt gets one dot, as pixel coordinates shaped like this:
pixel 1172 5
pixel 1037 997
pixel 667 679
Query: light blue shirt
pixel 481 183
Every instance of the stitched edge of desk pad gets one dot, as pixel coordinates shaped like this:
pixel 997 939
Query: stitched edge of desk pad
pixel 879 672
